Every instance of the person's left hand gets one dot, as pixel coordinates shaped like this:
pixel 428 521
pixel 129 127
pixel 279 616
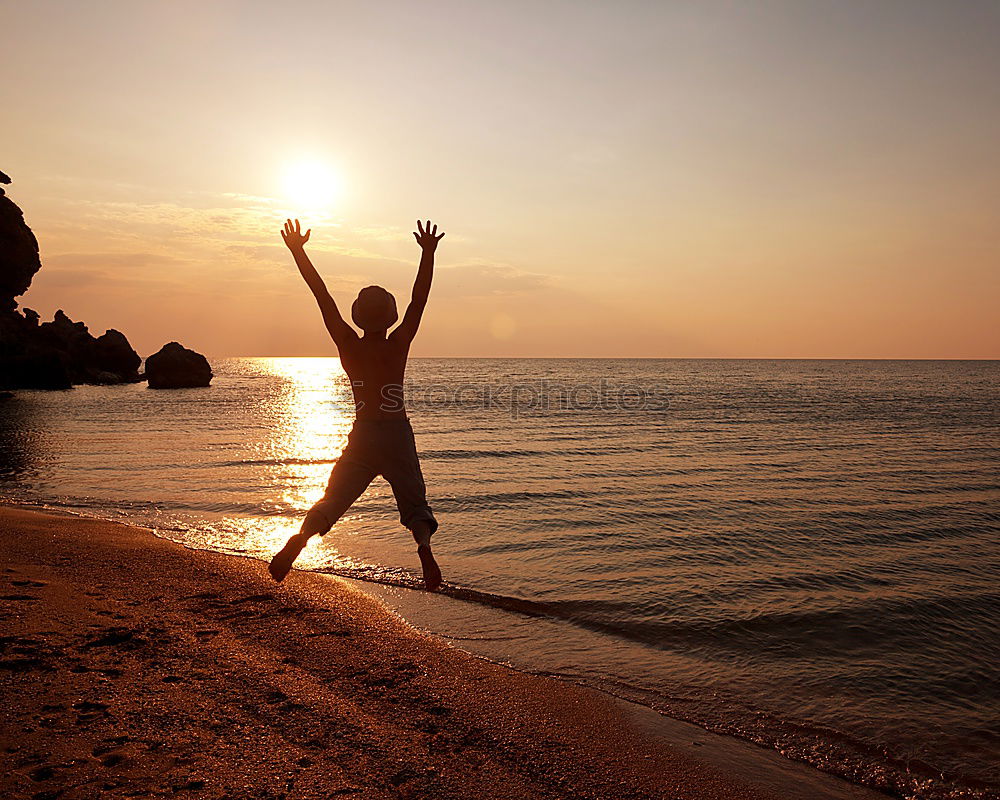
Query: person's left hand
pixel 427 238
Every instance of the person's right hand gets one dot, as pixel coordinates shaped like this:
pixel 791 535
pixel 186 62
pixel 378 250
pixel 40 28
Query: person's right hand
pixel 293 235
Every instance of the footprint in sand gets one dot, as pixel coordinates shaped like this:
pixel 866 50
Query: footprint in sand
pixel 43 773
pixel 88 705
pixel 27 654
pixel 254 598
pixel 121 638
pixel 112 759
pixel 191 785
pixel 108 745
pixel 203 596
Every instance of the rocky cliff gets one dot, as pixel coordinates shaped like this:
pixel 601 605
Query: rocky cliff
pixel 19 259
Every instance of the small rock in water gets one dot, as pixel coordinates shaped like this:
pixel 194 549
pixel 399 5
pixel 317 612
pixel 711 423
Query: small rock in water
pixel 177 367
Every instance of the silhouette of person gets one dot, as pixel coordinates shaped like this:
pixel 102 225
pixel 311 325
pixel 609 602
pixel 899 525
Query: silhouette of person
pixel 381 441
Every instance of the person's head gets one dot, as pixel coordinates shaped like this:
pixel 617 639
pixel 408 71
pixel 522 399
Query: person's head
pixel 374 310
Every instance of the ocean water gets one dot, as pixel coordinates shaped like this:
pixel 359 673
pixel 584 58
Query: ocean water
pixel 801 553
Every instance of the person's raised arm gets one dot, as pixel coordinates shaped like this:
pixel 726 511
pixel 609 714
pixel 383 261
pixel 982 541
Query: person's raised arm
pixel 339 330
pixel 428 239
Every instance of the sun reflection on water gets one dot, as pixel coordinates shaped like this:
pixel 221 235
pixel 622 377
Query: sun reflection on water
pixel 313 414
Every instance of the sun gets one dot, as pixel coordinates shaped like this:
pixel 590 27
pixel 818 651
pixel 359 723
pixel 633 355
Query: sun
pixel 311 185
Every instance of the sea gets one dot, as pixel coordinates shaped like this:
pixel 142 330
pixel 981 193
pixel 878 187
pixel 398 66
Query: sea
pixel 803 554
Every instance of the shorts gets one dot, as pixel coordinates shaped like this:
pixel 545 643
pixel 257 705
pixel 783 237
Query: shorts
pixel 378 447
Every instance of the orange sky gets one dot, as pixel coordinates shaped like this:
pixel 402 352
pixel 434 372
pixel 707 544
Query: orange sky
pixel 717 179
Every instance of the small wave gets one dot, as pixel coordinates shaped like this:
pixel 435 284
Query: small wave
pixel 273 462
pixel 456 455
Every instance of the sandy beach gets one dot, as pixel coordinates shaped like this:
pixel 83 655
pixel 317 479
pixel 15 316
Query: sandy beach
pixel 133 667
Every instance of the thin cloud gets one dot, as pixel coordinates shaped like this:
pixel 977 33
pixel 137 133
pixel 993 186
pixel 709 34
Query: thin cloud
pixel 117 259
pixel 489 280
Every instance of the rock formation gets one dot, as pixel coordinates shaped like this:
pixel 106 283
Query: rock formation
pixel 176 367
pixel 27 362
pixel 58 354
pixel 113 353
pixel 18 252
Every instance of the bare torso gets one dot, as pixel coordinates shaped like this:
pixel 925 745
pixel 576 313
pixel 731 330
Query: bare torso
pixel 376 366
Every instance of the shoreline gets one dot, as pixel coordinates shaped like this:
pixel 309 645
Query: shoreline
pixel 135 663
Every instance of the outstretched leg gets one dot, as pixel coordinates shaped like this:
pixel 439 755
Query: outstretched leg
pixel 314 523
pixel 432 572
pixel 349 478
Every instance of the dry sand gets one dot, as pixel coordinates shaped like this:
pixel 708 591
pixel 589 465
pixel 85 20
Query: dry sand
pixel 132 667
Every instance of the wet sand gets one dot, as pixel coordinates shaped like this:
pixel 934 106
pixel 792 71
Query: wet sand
pixel 132 667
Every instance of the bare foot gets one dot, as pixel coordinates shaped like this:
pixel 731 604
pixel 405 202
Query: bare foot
pixel 283 560
pixel 432 572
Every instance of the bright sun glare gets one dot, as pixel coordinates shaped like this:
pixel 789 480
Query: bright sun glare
pixel 311 186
